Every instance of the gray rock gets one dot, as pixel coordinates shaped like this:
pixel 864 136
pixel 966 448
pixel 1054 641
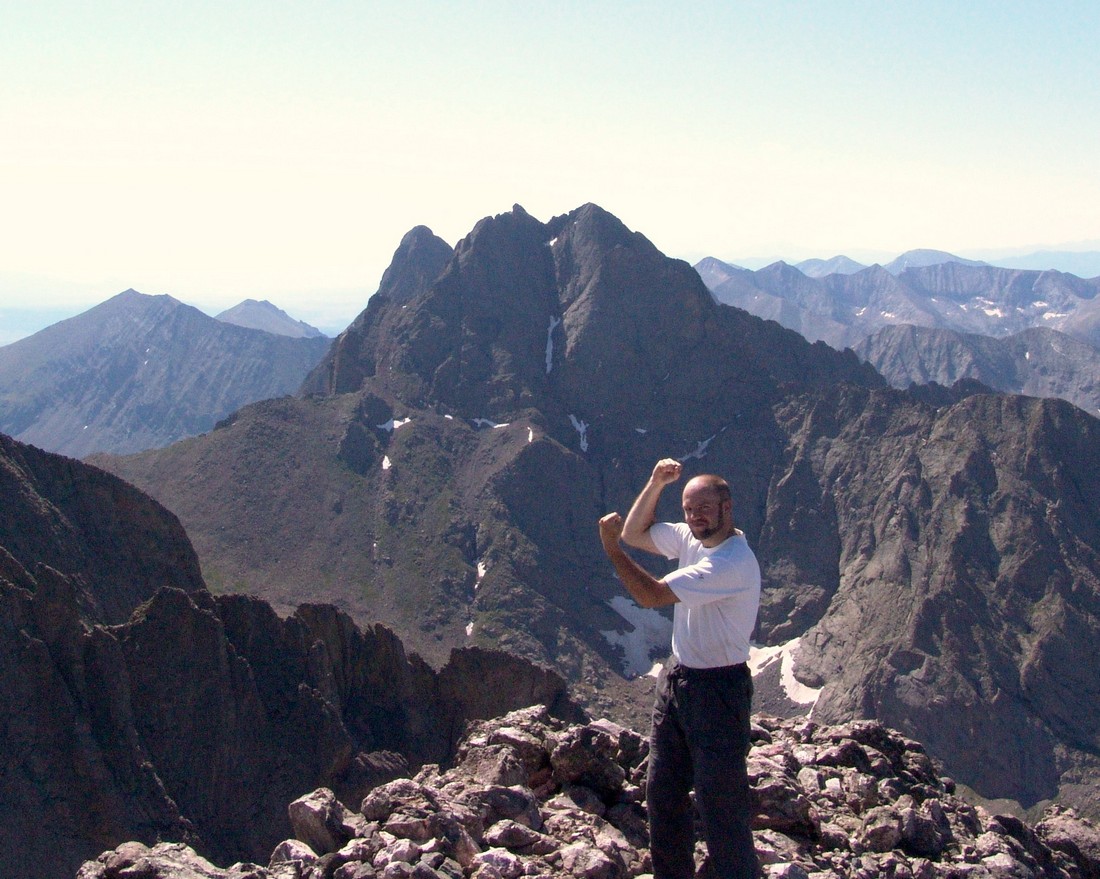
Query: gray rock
pixel 322 822
pixel 450 825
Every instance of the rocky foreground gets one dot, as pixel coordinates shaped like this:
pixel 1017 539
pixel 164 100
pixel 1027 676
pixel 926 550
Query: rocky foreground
pixel 533 796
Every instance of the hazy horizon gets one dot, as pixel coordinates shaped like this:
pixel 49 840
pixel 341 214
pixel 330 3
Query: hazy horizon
pixel 19 322
pixel 220 152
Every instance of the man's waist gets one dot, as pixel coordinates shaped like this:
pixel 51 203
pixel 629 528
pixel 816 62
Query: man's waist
pixel 715 671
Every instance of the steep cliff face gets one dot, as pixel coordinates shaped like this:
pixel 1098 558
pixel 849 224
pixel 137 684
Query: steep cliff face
pixel 79 549
pixel 115 545
pixel 451 487
pixel 966 602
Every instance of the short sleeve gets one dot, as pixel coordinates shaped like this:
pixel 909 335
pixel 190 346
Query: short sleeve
pixel 668 538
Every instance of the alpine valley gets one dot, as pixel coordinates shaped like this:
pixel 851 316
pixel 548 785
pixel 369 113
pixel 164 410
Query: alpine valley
pixel 930 555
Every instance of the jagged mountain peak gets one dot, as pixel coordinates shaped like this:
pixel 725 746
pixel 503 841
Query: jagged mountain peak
pixel 418 260
pixel 525 314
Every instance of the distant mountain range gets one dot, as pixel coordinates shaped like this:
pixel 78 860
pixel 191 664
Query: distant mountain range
pixel 929 316
pixel 842 309
pixel 1083 264
pixel 928 553
pixel 138 371
pixel 841 265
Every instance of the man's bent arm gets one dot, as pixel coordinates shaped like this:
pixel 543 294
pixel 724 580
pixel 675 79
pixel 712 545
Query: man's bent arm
pixel 643 512
pixel 643 587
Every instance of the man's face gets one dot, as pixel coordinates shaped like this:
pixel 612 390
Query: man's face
pixel 704 513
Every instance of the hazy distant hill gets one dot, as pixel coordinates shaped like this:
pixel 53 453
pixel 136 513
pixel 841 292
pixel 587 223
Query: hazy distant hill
pixel 1037 361
pixel 918 259
pixel 263 315
pixel 1083 264
pixel 842 309
pixel 838 265
pixel 929 555
pixel 137 372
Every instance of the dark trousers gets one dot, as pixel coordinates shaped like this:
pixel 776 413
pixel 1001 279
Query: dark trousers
pixel 700 739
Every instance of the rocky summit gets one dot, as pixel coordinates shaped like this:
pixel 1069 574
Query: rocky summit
pixel 529 796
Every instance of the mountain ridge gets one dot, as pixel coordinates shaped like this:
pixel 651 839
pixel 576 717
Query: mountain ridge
pixel 843 309
pixel 139 371
pixel 1038 361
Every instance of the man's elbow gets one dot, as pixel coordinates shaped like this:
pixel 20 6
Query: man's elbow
pixel 660 596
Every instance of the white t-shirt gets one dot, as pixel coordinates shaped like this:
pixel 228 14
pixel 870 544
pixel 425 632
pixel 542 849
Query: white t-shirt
pixel 719 594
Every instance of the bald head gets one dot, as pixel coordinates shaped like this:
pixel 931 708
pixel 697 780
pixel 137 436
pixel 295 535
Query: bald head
pixel 711 482
pixel 708 508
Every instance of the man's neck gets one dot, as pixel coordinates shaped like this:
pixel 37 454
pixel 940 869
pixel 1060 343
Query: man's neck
pixel 720 538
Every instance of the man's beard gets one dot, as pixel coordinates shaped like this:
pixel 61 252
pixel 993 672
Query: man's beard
pixel 708 533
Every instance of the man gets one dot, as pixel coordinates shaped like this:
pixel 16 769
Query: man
pixel 700 734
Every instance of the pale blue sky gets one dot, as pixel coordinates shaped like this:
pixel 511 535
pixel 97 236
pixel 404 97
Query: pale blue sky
pixel 219 151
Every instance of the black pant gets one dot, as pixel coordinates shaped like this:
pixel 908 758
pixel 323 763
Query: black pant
pixel 700 739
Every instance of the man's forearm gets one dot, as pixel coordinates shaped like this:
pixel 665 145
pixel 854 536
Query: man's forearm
pixel 643 587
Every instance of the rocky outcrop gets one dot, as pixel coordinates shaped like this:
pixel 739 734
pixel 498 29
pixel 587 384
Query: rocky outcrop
pixel 197 719
pixel 67 523
pixel 530 796
pixel 135 705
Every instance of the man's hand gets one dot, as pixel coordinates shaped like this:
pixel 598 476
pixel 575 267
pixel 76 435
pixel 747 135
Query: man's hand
pixel 611 529
pixel 666 471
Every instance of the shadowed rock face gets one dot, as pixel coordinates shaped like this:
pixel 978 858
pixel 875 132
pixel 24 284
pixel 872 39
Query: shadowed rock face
pixel 112 543
pixel 933 549
pixel 532 796
pixel 137 706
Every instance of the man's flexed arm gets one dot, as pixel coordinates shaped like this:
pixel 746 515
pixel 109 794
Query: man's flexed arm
pixel 643 512
pixel 643 587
